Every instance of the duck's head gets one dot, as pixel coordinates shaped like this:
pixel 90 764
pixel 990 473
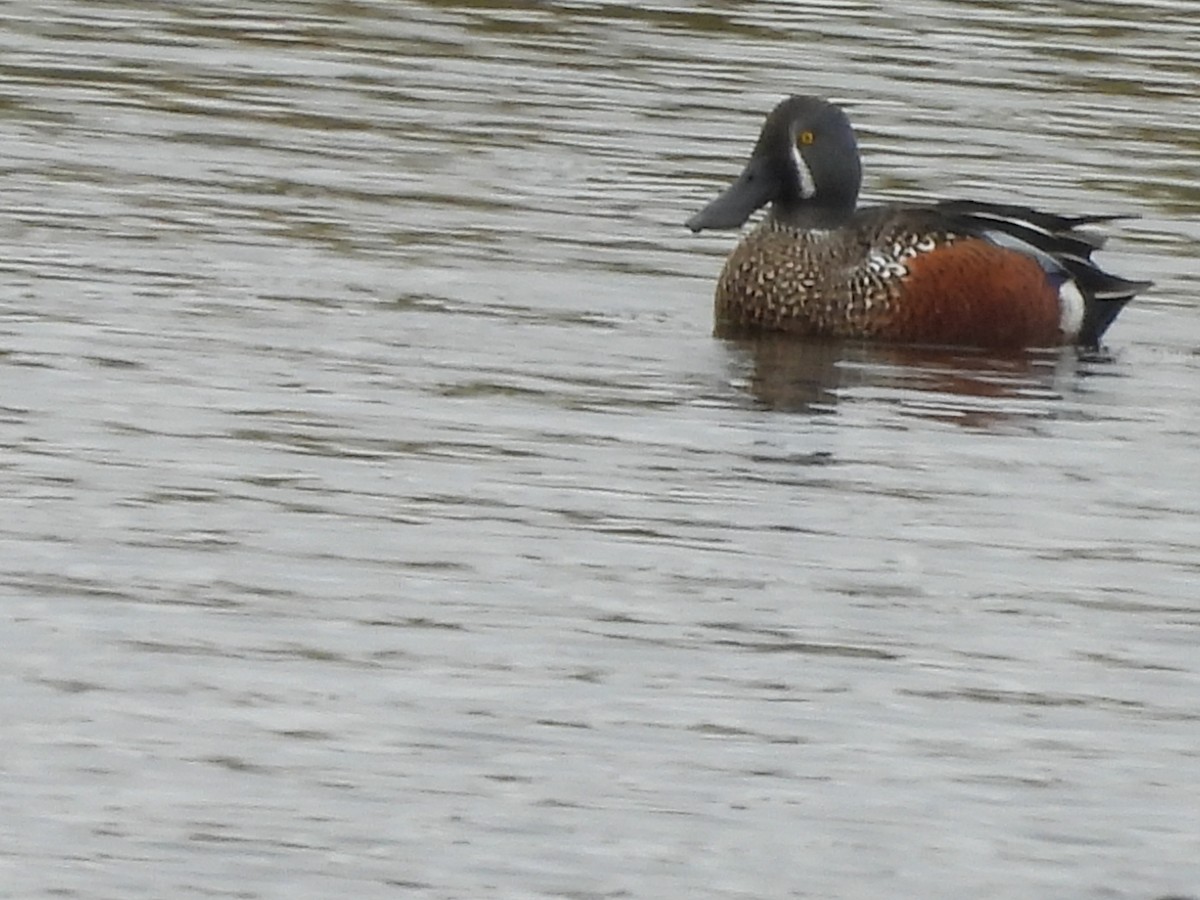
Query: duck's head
pixel 805 165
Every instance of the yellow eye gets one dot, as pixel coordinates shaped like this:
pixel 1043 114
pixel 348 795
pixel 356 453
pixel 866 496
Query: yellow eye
pixel 804 138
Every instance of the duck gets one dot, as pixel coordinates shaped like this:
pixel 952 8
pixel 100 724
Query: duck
pixel 946 272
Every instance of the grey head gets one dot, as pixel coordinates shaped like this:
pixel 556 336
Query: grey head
pixel 805 165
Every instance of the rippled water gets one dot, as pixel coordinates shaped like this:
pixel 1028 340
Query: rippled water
pixel 381 517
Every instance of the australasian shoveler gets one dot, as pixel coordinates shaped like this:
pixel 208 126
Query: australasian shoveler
pixel 954 272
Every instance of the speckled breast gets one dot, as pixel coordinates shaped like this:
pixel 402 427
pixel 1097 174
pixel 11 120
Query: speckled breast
pixel 813 282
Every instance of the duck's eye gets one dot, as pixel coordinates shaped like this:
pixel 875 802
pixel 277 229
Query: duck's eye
pixel 804 138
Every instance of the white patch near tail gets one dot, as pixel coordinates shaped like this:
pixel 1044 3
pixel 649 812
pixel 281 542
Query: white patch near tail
pixel 1071 307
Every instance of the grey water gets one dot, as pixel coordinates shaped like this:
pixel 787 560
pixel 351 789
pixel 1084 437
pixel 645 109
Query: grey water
pixel 381 518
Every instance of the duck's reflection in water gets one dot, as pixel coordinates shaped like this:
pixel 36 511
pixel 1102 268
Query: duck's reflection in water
pixel 969 387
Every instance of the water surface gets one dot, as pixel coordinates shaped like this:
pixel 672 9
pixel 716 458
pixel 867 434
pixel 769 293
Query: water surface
pixel 382 518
